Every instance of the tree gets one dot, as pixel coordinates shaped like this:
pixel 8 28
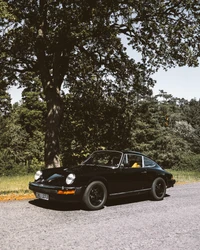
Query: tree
pixel 66 42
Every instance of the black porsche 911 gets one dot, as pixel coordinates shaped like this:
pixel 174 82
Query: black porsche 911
pixel 104 175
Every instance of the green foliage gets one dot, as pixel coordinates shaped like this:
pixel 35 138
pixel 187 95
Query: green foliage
pixel 33 108
pixel 5 12
pixel 153 132
pixel 5 100
pixel 21 150
pixel 188 161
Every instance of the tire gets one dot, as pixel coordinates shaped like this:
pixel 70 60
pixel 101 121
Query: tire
pixel 158 189
pixel 95 195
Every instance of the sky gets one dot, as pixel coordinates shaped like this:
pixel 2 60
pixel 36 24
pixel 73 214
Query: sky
pixel 181 82
pixel 15 94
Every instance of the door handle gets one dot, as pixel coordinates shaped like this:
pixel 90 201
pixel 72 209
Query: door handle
pixel 144 172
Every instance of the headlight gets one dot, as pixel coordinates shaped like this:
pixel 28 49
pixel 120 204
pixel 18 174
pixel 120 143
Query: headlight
pixel 38 174
pixel 70 179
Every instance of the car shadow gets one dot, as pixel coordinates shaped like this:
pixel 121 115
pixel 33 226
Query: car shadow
pixel 131 199
pixel 127 200
pixel 59 206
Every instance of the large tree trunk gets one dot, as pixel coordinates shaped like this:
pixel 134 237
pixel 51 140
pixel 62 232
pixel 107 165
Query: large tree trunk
pixel 52 78
pixel 54 118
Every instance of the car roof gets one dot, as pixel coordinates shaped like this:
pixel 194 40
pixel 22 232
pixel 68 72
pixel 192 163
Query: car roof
pixel 126 151
pixel 132 152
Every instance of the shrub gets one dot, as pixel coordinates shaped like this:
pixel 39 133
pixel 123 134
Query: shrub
pixel 188 161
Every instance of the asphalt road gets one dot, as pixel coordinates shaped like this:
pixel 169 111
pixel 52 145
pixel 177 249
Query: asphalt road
pixel 136 223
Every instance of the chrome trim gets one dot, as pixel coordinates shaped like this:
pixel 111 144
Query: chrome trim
pixel 130 192
pixel 39 185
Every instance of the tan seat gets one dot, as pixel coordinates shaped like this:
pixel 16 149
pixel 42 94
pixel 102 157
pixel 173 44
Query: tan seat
pixel 136 165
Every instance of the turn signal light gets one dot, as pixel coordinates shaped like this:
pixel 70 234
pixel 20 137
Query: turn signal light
pixel 66 192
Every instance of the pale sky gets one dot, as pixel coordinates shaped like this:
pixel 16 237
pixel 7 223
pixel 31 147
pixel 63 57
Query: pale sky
pixel 182 82
pixel 15 94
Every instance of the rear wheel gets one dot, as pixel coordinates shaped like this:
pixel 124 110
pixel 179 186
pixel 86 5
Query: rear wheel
pixel 95 195
pixel 158 189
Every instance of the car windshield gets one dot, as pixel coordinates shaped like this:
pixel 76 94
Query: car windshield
pixel 104 158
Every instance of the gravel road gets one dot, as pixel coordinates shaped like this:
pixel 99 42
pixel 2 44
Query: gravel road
pixel 136 223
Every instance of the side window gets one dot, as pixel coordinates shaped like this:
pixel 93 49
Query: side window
pixel 134 161
pixel 149 163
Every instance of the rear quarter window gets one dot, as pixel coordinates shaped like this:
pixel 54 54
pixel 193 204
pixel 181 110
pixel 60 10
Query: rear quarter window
pixel 149 163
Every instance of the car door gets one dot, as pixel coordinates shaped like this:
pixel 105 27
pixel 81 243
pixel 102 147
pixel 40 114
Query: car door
pixel 149 166
pixel 134 172
pixel 131 176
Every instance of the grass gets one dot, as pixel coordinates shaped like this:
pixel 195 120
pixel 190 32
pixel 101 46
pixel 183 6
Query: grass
pixel 15 184
pixel 19 184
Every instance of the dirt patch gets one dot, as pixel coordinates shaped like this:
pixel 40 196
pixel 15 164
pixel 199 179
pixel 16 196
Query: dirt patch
pixel 14 196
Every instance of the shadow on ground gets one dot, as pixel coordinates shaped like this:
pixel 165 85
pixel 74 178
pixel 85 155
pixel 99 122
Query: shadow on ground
pixel 131 199
pixel 56 205
pixel 78 206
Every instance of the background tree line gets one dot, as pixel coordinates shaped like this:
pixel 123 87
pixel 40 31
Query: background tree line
pixel 162 126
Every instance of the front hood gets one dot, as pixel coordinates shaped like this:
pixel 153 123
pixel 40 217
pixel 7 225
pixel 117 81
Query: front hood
pixel 78 170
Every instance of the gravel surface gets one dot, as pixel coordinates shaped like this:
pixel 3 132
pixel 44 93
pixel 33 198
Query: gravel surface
pixel 136 223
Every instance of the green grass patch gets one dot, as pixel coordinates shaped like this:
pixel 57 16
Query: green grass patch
pixel 183 176
pixel 15 184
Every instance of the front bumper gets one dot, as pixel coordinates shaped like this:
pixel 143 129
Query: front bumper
pixel 57 193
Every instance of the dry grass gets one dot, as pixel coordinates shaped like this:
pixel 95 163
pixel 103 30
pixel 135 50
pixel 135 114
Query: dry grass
pixel 185 176
pixel 15 184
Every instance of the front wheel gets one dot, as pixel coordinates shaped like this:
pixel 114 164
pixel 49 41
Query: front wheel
pixel 95 195
pixel 158 189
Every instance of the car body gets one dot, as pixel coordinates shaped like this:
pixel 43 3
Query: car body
pixel 105 174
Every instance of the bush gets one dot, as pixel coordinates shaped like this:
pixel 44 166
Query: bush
pixel 11 168
pixel 188 161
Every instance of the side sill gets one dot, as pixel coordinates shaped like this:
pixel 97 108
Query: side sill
pixel 131 192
